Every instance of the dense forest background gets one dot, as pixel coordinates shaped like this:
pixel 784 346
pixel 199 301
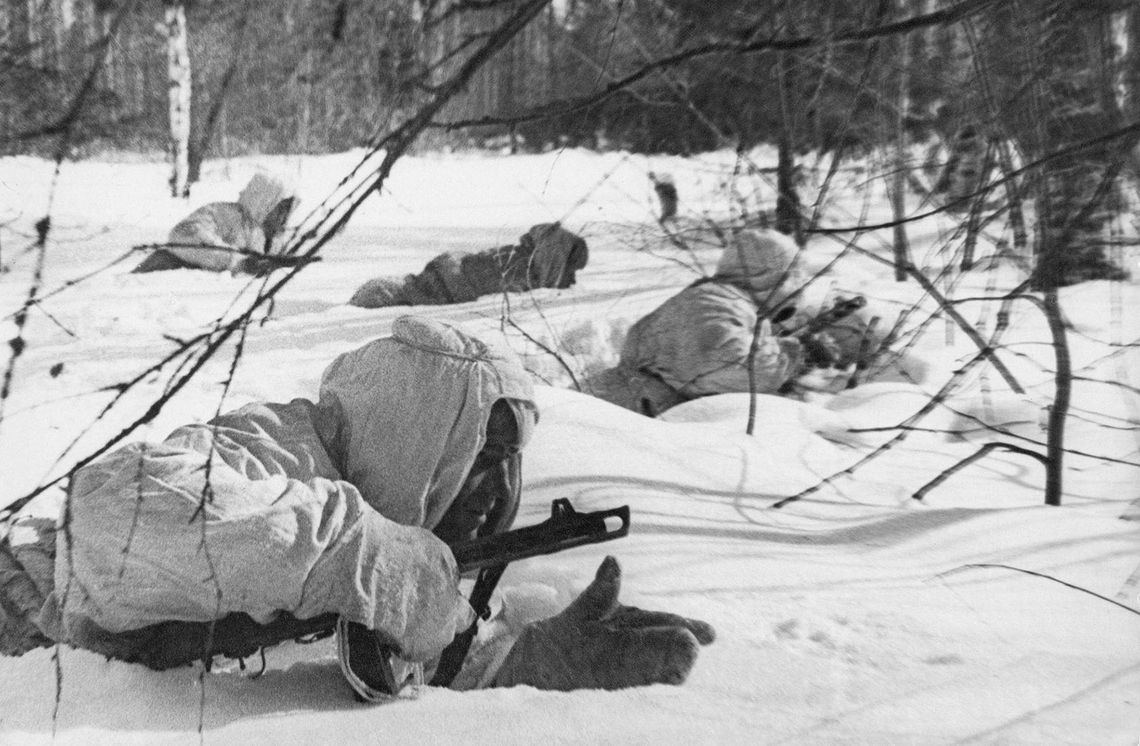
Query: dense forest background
pixel 1043 93
pixel 323 75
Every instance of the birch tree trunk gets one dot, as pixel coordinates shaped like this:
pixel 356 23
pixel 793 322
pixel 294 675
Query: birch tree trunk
pixel 178 74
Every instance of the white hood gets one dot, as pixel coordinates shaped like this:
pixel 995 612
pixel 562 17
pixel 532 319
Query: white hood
pixel 407 414
pixel 262 194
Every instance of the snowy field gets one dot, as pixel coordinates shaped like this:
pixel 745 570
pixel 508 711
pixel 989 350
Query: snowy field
pixel 856 615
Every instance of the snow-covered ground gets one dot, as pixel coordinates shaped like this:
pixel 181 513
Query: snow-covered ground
pixel 854 615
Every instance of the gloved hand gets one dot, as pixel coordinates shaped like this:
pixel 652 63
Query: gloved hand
pixel 597 643
pixel 775 359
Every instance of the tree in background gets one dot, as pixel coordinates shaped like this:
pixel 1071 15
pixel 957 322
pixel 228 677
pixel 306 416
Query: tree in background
pixel 1055 65
pixel 179 93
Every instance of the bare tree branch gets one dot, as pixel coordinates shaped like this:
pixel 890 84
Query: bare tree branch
pixel 921 492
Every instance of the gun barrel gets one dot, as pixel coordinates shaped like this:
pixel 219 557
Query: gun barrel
pixel 840 310
pixel 566 528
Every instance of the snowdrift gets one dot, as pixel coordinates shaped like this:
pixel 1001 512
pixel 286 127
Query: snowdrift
pixel 853 615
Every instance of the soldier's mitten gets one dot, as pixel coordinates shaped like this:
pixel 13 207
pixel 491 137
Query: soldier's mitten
pixel 597 643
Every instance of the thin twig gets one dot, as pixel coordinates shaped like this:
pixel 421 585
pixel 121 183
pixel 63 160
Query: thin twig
pixel 951 471
pixel 1034 573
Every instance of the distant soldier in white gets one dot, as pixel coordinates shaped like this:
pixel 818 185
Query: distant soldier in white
pixel 706 339
pixel 547 256
pixel 229 236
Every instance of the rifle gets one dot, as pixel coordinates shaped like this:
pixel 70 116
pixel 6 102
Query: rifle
pixel 817 353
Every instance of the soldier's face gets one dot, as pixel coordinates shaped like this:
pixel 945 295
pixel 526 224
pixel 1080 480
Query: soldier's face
pixel 489 485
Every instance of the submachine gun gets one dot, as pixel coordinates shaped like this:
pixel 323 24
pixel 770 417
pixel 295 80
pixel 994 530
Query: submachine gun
pixel 817 352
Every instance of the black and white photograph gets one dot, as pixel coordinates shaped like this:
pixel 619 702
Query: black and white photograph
pixel 514 372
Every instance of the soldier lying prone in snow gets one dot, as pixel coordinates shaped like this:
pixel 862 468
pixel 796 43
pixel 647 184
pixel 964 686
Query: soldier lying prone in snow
pixel 229 236
pixel 277 513
pixel 547 256
pixel 701 341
